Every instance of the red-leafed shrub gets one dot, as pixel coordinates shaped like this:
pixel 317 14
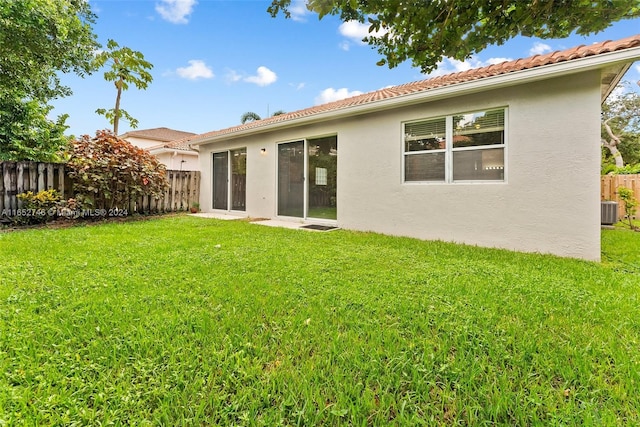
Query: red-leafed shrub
pixel 109 172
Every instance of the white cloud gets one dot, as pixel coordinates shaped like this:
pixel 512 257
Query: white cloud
pixel 637 67
pixel 197 69
pixel 232 76
pixel 175 11
pixel 493 61
pixel 298 10
pixel 617 93
pixel 539 48
pixel 356 31
pixel 264 77
pixel 448 65
pixel 94 7
pixel 345 45
pixel 298 86
pixel 331 94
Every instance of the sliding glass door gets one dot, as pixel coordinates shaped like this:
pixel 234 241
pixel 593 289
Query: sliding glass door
pixel 220 180
pixel 239 179
pixel 307 178
pixel 323 174
pixel 291 179
pixel 230 180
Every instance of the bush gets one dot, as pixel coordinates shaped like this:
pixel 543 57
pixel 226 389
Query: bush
pixel 626 170
pixel 44 206
pixel 630 204
pixel 109 172
pixel 37 208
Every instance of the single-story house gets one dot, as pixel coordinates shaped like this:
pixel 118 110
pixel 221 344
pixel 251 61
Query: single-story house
pixel 503 156
pixel 166 144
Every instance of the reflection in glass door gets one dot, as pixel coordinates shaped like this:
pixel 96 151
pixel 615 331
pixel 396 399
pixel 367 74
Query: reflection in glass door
pixel 323 174
pixel 239 179
pixel 220 180
pixel 291 179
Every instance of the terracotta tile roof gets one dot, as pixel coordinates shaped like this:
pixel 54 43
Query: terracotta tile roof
pixel 506 67
pixel 179 144
pixel 160 134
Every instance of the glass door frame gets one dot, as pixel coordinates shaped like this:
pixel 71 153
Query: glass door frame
pixel 305 195
pixel 279 182
pixel 229 184
pixel 217 185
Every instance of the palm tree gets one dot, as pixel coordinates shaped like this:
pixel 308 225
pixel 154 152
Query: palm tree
pixel 249 116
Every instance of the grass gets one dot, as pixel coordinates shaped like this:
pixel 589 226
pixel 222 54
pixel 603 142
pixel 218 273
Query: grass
pixel 190 321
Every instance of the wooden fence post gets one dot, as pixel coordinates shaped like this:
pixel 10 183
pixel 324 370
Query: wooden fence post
pixel 20 182
pixel 33 177
pixel 49 176
pixel 3 194
pixel 61 175
pixel 1 186
pixel 10 185
pixel 41 170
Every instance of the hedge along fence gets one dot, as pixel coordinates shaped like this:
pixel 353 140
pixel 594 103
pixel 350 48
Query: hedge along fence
pixel 609 185
pixel 20 177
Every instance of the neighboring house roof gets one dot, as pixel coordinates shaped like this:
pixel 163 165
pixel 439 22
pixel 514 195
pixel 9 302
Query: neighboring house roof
pixel 160 134
pixel 614 56
pixel 181 145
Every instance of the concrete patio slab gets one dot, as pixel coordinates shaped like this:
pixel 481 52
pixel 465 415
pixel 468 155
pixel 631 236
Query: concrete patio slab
pixel 287 224
pixel 279 223
pixel 216 215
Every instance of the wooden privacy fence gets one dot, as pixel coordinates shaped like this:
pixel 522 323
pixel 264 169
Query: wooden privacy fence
pixel 183 191
pixel 609 185
pixel 20 177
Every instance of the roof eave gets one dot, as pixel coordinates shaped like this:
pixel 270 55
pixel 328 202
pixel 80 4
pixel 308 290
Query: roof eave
pixel 154 138
pixel 163 150
pixel 610 81
pixel 543 72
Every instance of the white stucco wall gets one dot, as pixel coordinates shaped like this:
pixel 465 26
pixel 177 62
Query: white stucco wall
pixel 143 142
pixel 179 161
pixel 549 201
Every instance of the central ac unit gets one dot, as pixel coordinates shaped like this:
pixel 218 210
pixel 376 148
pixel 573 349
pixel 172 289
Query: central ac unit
pixel 608 213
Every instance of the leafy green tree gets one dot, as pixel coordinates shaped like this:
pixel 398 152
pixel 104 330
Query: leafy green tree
pixel 426 31
pixel 126 67
pixel 620 134
pixel 38 40
pixel 26 133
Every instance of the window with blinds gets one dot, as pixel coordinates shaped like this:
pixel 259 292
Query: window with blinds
pixel 459 147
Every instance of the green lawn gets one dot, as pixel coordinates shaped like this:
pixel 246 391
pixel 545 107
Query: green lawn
pixel 191 321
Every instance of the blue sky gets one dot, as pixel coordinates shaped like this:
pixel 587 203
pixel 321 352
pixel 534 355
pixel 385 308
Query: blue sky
pixel 215 60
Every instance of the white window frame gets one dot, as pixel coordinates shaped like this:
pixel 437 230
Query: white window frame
pixel 449 149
